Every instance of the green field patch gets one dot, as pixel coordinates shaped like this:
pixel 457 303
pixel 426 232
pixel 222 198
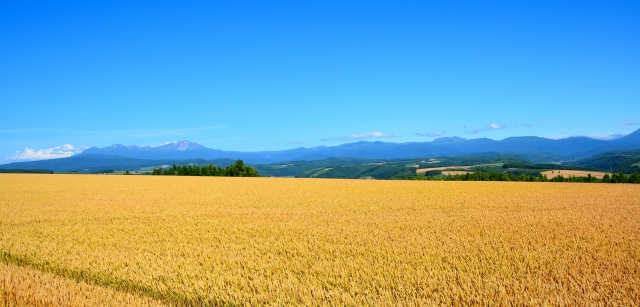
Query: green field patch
pixel 456 169
pixel 488 168
pixel 320 172
pixel 489 165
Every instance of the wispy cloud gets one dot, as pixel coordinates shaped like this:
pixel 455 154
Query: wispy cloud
pixel 431 134
pixel 527 125
pixel 559 137
pixel 628 124
pixel 165 143
pixel 607 137
pixel 603 137
pixel 489 127
pixel 215 140
pixel 296 142
pixel 21 131
pixel 120 132
pixel 151 132
pixel 30 154
pixel 361 136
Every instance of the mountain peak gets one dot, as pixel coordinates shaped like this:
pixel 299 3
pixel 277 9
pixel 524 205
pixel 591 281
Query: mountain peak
pixel 182 145
pixel 635 133
pixel 448 140
pixel 530 146
pixel 631 137
pixel 120 146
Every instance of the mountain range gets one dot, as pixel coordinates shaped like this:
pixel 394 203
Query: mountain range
pixel 535 149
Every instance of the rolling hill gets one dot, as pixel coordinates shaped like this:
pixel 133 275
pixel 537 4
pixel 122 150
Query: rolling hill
pixel 625 162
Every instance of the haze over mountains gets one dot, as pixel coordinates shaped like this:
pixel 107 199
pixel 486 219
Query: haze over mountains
pixel 536 149
pixel 569 148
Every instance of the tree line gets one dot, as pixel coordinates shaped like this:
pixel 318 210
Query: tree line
pixel 26 171
pixel 495 176
pixel 238 169
pixel 523 165
pixel 614 178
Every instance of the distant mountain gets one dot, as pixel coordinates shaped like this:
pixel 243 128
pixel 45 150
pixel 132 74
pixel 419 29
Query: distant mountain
pixel 92 163
pixel 633 137
pixel 189 150
pixel 170 149
pixel 535 149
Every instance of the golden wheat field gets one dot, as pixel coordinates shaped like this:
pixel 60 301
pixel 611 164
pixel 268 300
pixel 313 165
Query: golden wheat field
pixel 568 173
pixel 91 240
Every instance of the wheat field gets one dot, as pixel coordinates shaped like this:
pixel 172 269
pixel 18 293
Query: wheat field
pixel 208 241
pixel 567 173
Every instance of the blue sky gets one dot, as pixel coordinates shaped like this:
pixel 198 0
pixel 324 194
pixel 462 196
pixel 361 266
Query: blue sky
pixel 272 75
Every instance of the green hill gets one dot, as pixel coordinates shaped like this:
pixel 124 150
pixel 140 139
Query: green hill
pixel 625 162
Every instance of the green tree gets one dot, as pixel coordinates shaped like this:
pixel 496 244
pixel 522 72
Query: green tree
pixel 238 169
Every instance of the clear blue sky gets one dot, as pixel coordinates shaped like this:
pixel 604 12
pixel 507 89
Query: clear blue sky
pixel 273 75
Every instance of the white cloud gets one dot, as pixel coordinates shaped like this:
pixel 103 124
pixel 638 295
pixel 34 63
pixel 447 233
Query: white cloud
pixel 629 124
pixel 489 127
pixel 360 136
pixel 20 131
pixel 151 132
pixel 559 137
pixel 165 143
pixel 607 137
pixel 29 154
pixel 121 132
pixel 431 134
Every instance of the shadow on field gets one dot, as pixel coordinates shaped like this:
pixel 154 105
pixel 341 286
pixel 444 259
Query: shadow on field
pixel 171 298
